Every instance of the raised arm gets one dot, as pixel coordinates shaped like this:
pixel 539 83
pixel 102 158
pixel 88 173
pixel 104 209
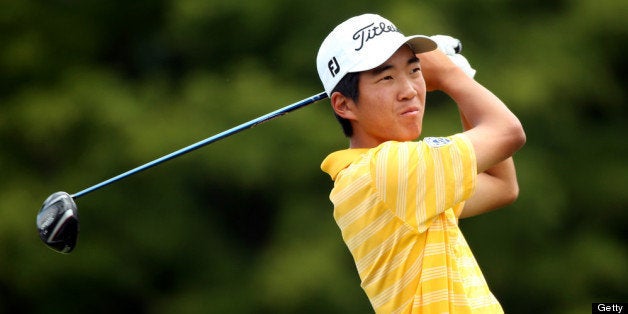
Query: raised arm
pixel 494 131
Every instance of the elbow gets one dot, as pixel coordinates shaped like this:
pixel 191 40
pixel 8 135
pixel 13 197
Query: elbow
pixel 521 136
pixel 507 196
pixel 511 188
pixel 511 195
pixel 517 135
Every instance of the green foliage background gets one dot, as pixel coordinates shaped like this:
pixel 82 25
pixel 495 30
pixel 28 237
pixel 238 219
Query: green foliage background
pixel 93 88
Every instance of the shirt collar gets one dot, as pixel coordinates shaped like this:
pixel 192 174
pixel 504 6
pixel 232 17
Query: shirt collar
pixel 337 161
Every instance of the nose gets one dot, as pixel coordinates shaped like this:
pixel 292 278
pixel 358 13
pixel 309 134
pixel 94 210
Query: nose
pixel 408 89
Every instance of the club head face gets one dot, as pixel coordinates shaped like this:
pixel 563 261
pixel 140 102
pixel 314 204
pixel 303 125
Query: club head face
pixel 58 222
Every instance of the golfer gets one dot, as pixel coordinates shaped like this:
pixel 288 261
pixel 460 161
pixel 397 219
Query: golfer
pixel 397 200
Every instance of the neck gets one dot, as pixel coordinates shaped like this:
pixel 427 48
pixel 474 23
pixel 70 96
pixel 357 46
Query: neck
pixel 357 142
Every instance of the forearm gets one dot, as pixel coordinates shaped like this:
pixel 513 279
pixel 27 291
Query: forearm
pixel 484 112
pixel 478 104
pixel 504 170
pixel 495 187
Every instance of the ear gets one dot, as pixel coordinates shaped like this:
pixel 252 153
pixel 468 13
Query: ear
pixel 343 106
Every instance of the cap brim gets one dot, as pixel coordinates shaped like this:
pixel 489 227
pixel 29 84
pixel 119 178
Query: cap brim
pixel 421 43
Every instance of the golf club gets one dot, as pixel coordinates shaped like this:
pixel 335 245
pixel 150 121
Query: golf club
pixel 58 221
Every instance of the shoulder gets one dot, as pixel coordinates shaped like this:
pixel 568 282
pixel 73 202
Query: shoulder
pixel 457 146
pixel 459 140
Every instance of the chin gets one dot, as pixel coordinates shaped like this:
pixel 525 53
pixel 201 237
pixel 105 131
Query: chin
pixel 404 135
pixel 414 135
pixel 409 138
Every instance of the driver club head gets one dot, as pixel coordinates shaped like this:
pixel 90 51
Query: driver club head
pixel 58 222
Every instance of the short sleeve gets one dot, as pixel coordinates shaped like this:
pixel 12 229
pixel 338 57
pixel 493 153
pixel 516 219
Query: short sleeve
pixel 420 180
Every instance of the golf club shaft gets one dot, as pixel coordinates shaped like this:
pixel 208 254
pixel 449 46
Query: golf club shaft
pixel 206 141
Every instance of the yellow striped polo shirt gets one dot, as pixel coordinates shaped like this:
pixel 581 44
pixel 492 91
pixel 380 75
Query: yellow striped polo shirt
pixel 397 206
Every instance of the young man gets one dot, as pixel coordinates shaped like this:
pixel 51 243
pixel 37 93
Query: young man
pixel 396 200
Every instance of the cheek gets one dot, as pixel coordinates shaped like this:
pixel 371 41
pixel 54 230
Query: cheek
pixel 376 104
pixel 421 91
pixel 420 87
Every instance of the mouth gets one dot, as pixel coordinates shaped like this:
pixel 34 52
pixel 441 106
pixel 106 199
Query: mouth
pixel 410 111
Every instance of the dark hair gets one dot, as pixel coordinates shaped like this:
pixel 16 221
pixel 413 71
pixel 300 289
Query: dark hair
pixel 348 86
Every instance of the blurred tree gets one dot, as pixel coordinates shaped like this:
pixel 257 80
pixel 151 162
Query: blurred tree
pixel 93 88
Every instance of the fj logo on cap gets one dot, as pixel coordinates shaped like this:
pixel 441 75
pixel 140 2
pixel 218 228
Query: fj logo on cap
pixel 333 66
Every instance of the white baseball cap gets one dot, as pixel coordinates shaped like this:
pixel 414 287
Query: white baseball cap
pixel 362 43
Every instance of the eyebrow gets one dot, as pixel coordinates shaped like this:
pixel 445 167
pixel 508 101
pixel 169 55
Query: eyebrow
pixel 385 67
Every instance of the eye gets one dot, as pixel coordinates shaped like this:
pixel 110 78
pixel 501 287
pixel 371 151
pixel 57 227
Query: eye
pixel 384 77
pixel 415 69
